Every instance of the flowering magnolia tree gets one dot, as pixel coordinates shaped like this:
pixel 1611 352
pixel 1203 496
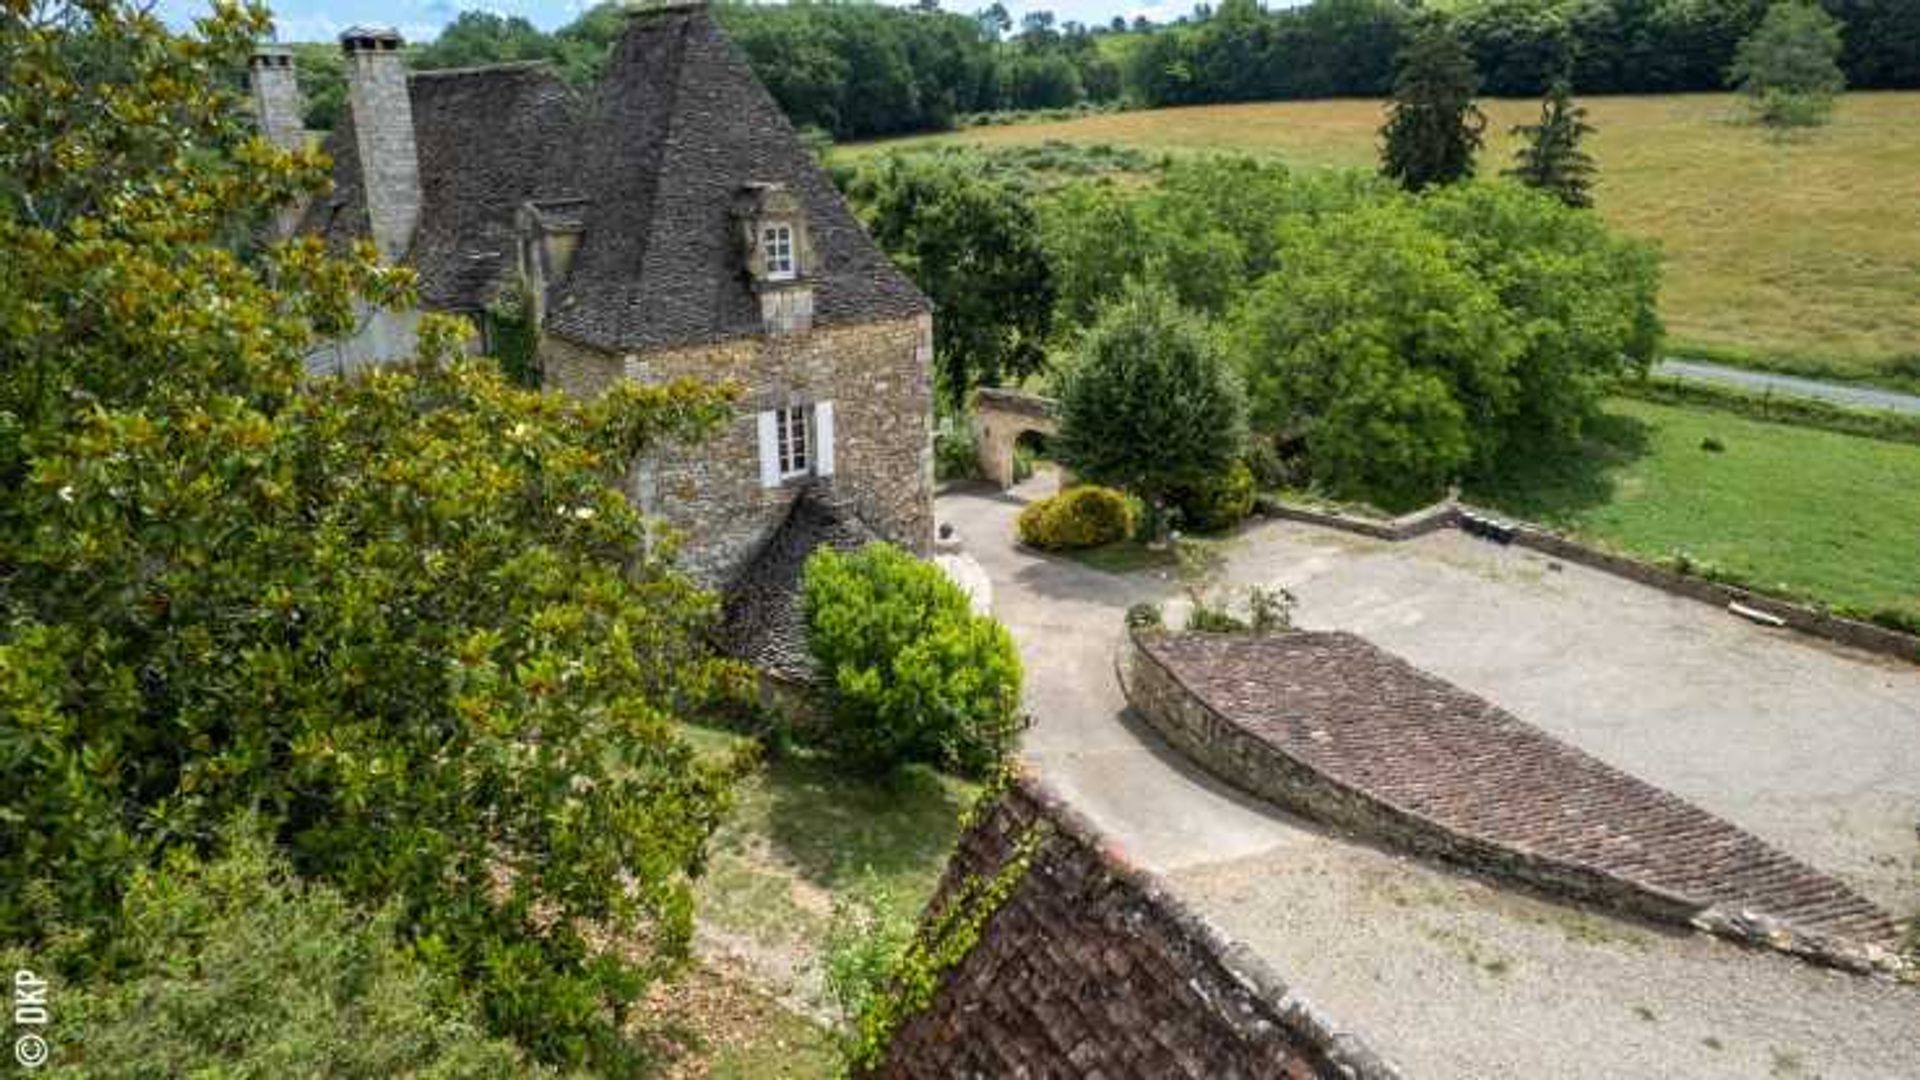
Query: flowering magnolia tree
pixel 404 616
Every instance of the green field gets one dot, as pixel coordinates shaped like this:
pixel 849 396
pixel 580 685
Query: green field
pixel 1808 513
pixel 1801 253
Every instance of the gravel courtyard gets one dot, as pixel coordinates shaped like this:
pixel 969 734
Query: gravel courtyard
pixel 1810 747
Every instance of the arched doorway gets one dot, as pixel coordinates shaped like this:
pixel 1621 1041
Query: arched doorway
pixel 1003 420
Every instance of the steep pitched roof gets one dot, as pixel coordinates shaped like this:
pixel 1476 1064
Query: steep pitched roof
pixel 681 125
pixel 488 140
pixel 765 624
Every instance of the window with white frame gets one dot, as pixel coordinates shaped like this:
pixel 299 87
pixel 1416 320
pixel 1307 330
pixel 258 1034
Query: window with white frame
pixel 776 247
pixel 791 423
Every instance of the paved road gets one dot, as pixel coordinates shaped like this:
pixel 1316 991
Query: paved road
pixel 1858 397
pixel 1444 974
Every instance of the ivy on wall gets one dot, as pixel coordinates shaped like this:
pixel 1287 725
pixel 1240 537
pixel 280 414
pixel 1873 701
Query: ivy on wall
pixel 940 945
pixel 513 339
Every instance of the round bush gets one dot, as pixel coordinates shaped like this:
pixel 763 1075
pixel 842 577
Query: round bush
pixel 911 674
pixel 1219 503
pixel 1080 517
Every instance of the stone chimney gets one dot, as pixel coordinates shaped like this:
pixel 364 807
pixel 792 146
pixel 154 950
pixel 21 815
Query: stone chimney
pixel 277 106
pixel 383 134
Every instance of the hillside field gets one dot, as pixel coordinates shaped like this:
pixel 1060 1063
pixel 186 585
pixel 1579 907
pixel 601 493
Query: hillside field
pixel 1800 253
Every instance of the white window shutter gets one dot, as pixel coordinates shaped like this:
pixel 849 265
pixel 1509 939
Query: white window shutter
pixel 769 451
pixel 823 434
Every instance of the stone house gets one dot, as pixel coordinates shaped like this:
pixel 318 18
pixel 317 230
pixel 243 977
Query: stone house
pixel 669 224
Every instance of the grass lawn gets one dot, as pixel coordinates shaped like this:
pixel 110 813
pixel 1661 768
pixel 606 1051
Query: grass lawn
pixel 1802 254
pixel 1831 517
pixel 803 836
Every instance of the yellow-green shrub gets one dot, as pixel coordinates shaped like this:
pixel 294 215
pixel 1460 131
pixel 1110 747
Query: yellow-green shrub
pixel 1219 502
pixel 1079 517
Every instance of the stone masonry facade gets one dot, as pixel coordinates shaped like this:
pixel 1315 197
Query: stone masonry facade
pixel 1091 969
pixel 879 377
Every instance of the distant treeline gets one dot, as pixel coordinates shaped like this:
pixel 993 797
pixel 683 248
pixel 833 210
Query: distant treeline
pixel 1335 48
pixel 860 70
pixel 854 70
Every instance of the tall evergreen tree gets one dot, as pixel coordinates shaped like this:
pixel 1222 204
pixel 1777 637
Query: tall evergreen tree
pixel 1433 128
pixel 1550 156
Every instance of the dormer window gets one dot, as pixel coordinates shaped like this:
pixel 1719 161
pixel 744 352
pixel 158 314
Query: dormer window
pixel 776 248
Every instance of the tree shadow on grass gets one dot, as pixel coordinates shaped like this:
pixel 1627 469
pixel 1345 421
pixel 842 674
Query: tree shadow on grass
pixel 837 828
pixel 1554 488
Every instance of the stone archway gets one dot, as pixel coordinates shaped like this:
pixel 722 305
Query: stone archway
pixel 1000 417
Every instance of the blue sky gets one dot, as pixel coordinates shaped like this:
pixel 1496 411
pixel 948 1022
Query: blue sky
pixel 419 20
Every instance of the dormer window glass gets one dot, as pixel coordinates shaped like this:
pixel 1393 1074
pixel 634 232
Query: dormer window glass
pixel 776 247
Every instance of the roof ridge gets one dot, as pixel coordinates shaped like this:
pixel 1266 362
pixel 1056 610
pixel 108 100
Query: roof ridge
pixel 504 67
pixel 672 104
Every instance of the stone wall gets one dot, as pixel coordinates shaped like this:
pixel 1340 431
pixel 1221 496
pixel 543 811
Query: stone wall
pixel 1093 969
pixel 879 377
pixel 1000 417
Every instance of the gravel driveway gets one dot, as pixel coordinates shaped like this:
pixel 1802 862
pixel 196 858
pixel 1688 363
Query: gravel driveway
pixel 1811 747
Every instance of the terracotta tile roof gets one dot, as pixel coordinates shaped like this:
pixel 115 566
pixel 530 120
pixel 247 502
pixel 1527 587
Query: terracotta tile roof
pixel 1375 724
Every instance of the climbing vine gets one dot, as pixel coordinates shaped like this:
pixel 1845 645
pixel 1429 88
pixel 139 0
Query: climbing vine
pixel 935 949
pixel 514 339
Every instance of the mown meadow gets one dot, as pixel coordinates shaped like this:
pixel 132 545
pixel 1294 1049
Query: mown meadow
pixel 1788 509
pixel 1801 253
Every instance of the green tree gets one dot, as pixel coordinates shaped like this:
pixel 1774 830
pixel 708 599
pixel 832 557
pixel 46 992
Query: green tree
pixel 1369 347
pixel 406 617
pixel 1584 300
pixel 1417 341
pixel 1150 404
pixel 972 243
pixel 911 674
pixel 1789 68
pixel 474 38
pixel 234 967
pixel 1550 156
pixel 1433 128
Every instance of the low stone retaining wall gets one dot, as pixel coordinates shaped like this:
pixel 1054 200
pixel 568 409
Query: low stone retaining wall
pixel 1090 968
pixel 1329 726
pixel 1406 527
pixel 1797 617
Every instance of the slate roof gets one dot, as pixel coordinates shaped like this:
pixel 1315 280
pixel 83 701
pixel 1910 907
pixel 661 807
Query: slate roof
pixel 680 126
pixel 765 624
pixel 488 139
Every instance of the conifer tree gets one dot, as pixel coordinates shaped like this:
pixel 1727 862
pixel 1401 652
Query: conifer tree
pixel 1433 128
pixel 1550 156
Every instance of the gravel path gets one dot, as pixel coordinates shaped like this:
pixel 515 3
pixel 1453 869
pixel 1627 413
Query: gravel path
pixel 1452 977
pixel 1445 975
pixel 1859 397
